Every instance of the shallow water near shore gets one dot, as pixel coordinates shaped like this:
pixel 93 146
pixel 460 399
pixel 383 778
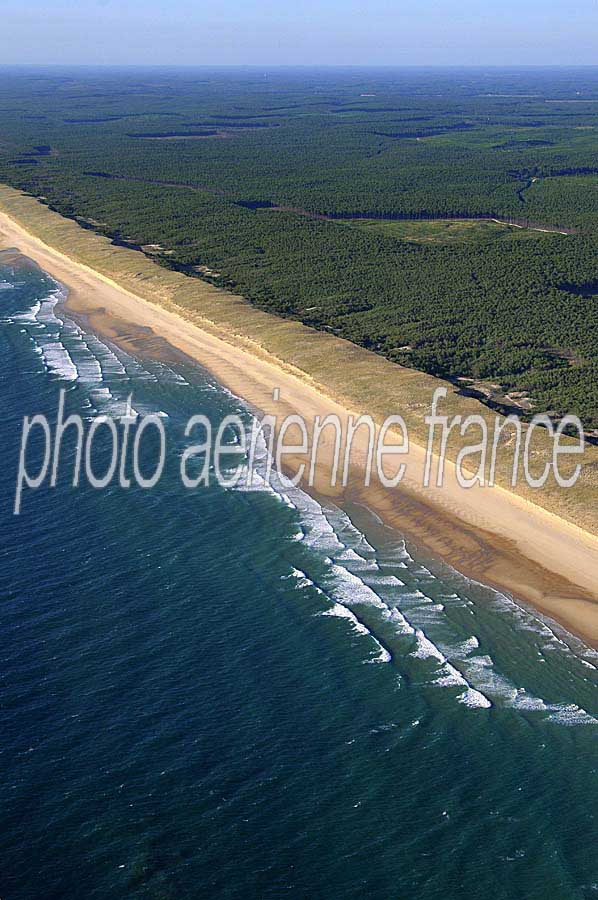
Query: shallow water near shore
pixel 249 693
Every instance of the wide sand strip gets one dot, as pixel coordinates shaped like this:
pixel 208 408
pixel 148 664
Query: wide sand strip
pixel 541 546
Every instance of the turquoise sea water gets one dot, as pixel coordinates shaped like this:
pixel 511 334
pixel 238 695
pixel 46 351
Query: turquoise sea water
pixel 245 694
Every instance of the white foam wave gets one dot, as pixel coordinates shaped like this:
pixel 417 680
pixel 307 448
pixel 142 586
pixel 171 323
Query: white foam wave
pixel 302 580
pixel 427 614
pixel 356 561
pixel 450 677
pixel 570 714
pixel 386 580
pixel 342 612
pixel 399 621
pixel 58 360
pixel 426 649
pixel 29 316
pixel 347 532
pixel 466 647
pixel 474 699
pixel 350 588
pixel 73 355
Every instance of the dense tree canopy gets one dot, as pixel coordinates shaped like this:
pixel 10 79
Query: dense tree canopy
pixel 317 195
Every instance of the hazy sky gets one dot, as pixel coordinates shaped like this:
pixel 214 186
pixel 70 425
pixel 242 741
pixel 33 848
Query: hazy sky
pixel 301 32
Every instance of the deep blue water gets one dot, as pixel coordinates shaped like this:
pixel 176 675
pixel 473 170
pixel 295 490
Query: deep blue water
pixel 243 694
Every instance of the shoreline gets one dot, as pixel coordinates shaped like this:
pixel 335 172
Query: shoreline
pixel 490 535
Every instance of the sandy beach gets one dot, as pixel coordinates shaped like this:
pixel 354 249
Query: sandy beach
pixel 492 535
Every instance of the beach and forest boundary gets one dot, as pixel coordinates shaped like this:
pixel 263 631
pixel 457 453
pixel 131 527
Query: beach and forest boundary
pixel 540 544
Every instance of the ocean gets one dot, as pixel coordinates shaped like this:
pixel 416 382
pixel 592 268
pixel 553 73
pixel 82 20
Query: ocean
pixel 249 693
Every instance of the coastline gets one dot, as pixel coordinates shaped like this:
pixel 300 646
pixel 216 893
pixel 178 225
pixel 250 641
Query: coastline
pixel 491 535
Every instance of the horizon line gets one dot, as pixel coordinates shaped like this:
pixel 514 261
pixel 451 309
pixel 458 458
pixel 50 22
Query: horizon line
pixel 261 66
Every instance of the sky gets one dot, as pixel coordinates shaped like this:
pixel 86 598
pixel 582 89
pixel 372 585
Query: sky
pixel 300 32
